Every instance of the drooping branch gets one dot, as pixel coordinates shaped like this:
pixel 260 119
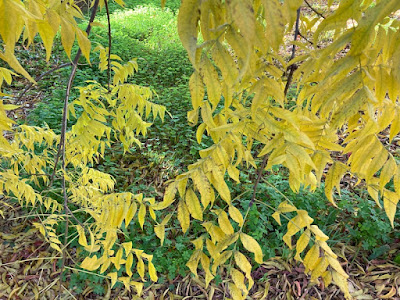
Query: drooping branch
pixel 31 84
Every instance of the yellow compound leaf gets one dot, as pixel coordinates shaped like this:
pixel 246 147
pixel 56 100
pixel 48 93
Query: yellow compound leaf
pixel 141 215
pixel 390 200
pixel 183 216
pixel 236 215
pixel 193 204
pixel 251 245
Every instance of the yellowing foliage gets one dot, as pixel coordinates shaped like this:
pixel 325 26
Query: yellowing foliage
pixel 350 84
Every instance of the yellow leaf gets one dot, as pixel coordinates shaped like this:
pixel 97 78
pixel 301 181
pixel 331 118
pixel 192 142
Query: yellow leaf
pixel 236 215
pixel 302 243
pixel 295 224
pixel 238 280
pixel 130 213
pixel 210 77
pixel 390 200
pixel 224 223
pixel 277 217
pixel 196 88
pixel 140 267
pixel 251 245
pixel 67 36
pixel 138 287
pixel 205 263
pixel 242 262
pixel 319 269
pixel 152 272
pixel 332 179
pixel 341 282
pixel 235 292
pixel 159 230
pixel 113 276
pixel 47 34
pixel 128 264
pixel 84 43
pixel 169 197
pixel 193 204
pixel 389 169
pixel 335 264
pixel 183 216
pixel 285 207
pixel 311 258
pixel 319 235
pixel 141 214
pixel 188 17
pixel 82 237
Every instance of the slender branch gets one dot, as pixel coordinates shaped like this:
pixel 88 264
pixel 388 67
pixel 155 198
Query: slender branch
pixel 29 86
pixel 61 149
pixel 307 40
pixel 293 67
pixel 109 46
pixel 314 10
pixel 259 175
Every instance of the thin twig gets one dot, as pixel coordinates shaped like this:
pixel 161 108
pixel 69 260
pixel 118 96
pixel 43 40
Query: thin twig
pixel 259 175
pixel 292 67
pixel 61 149
pixel 109 46
pixel 29 86
pixel 307 40
pixel 314 10
pixel 265 157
